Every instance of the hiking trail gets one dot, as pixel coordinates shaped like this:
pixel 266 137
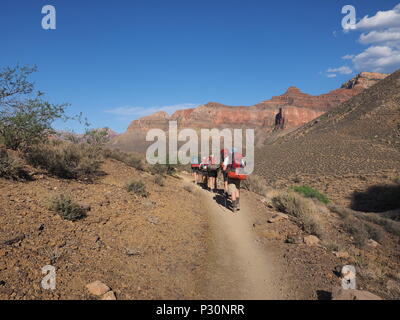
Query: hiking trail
pixel 238 267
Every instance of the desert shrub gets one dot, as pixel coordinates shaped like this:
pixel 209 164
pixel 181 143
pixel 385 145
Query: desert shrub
pixel 255 184
pixel 97 137
pixel 129 159
pixel 65 160
pixel 356 229
pixel 159 180
pixel 25 117
pixel 374 233
pixel 138 188
pixel 332 246
pixel 309 192
pixel 162 169
pixel 389 225
pixel 301 208
pixel 11 167
pixel 67 208
pixel 343 212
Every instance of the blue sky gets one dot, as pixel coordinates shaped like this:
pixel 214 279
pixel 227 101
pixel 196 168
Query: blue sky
pixel 118 60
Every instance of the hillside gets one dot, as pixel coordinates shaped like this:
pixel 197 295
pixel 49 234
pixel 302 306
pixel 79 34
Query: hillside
pixel 360 136
pixel 299 109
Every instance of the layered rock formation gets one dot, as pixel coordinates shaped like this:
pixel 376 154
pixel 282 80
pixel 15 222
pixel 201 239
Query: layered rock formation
pixel 299 108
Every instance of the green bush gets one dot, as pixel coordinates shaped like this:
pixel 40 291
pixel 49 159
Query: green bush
pixel 11 167
pixel 137 187
pixel 65 160
pixel 309 192
pixel 67 208
pixel 25 117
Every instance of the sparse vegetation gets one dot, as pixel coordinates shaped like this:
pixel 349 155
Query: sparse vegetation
pixel 129 159
pixel 309 192
pixel 356 229
pixel 255 184
pixel 386 220
pixel 11 167
pixel 67 208
pixel 138 188
pixel 303 209
pixel 65 160
pixel 332 246
pixel 159 180
pixel 162 169
pixel 25 118
pixel 389 225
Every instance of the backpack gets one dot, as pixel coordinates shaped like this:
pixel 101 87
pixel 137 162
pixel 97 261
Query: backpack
pixel 237 161
pixel 237 164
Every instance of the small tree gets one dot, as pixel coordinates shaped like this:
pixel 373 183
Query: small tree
pixel 97 137
pixel 25 117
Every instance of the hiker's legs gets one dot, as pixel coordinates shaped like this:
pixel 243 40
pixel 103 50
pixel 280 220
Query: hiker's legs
pixel 233 193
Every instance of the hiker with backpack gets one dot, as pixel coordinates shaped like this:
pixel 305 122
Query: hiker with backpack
pixel 203 170
pixel 212 169
pixel 195 169
pixel 234 165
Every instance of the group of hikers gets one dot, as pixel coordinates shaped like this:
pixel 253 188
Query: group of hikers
pixel 230 166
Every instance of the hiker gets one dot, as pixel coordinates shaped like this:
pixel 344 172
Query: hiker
pixel 279 121
pixel 212 169
pixel 234 166
pixel 195 169
pixel 225 158
pixel 203 170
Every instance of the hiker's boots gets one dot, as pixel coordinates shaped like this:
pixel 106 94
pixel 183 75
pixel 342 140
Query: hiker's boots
pixel 238 204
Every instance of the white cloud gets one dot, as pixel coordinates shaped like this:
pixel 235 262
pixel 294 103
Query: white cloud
pixel 341 70
pixel 142 111
pixel 382 19
pixel 333 72
pixel 382 35
pixel 378 59
pixel 390 36
pixel 348 57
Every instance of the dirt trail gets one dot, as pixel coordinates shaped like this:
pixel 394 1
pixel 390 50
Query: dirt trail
pixel 238 266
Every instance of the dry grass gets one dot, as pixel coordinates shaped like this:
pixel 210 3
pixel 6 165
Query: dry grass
pixel 303 209
pixel 138 188
pixel 11 167
pixel 66 160
pixel 67 208
pixel 256 184
pixel 127 158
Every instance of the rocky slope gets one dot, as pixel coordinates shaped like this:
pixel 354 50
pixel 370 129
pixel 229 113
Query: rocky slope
pixel 360 136
pixel 299 109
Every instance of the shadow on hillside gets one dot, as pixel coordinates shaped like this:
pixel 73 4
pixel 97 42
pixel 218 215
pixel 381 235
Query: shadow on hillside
pixel 379 198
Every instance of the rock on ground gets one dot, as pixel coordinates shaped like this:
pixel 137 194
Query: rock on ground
pixel 97 288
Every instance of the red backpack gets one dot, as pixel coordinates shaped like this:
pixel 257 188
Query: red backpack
pixel 237 163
